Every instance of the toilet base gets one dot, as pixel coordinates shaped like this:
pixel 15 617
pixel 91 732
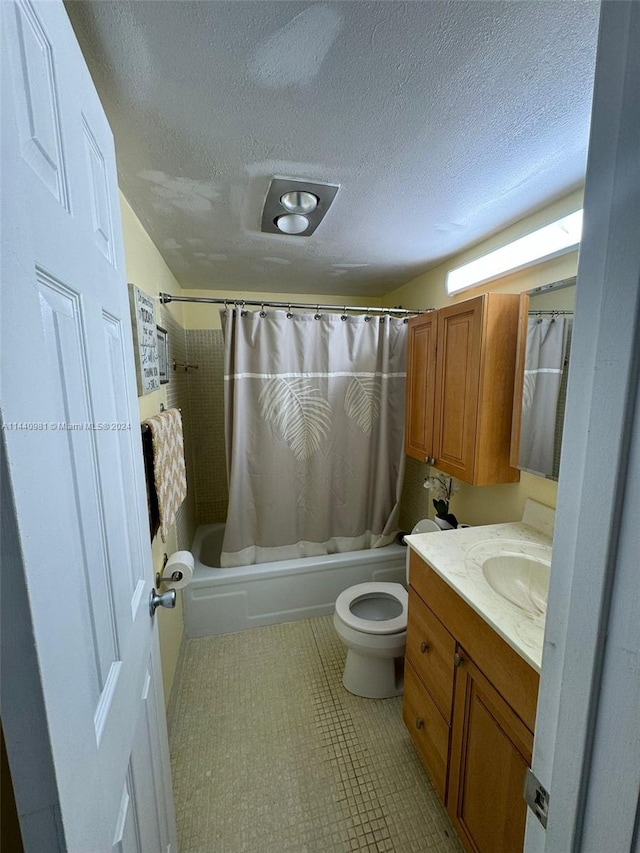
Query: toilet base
pixel 372 677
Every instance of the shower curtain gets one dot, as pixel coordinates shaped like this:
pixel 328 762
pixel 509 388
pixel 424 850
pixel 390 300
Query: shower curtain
pixel 544 365
pixel 314 419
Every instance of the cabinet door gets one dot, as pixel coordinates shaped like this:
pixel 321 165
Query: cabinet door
pixel 421 380
pixel 457 387
pixel 490 752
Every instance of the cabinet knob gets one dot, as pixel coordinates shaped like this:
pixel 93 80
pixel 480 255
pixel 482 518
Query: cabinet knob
pixel 424 647
pixel 419 723
pixel 457 659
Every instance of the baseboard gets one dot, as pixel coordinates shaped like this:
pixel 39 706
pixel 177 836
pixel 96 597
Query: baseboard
pixel 175 686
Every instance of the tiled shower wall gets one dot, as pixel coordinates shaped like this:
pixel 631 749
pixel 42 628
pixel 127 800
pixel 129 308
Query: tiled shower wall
pixel 178 396
pixel 206 349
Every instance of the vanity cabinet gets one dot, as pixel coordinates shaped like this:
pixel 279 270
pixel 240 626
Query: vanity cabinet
pixel 429 730
pixel 428 688
pixel 469 705
pixel 490 753
pixel 460 380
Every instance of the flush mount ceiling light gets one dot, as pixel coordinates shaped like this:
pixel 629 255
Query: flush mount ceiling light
pixel 548 242
pixel 292 223
pixel 296 207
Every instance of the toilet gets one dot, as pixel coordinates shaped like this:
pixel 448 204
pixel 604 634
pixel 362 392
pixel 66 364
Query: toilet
pixel 371 620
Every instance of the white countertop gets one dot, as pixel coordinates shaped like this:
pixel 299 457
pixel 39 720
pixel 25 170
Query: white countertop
pixel 448 554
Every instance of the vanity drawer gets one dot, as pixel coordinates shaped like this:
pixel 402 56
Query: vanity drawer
pixel 427 727
pixel 431 650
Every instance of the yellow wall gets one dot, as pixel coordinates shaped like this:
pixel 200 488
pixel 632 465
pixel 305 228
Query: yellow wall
pixel 147 270
pixel 202 316
pixel 489 504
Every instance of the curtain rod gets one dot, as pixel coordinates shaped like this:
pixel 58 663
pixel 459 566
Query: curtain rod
pixel 535 312
pixel 311 306
pixel 555 285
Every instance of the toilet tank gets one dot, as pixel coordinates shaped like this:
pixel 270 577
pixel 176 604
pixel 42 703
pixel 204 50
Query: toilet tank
pixel 425 525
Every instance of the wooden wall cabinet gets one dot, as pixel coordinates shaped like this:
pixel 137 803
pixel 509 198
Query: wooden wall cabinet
pixel 421 385
pixel 460 381
pixel 469 705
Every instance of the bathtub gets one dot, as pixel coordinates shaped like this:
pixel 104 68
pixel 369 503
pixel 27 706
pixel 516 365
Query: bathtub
pixel 220 601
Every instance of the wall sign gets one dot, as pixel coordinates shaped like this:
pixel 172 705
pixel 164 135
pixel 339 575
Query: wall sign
pixel 145 344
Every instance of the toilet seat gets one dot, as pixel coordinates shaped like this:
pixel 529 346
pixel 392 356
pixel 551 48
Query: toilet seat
pixel 370 590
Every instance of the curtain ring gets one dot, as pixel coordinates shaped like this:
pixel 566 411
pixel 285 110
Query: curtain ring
pixel 406 320
pixel 317 315
pixel 243 311
pixel 344 316
pixel 263 313
pixel 367 319
pixel 289 314
pixel 226 307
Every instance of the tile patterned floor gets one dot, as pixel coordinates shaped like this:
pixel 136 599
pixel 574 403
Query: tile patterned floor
pixel 270 754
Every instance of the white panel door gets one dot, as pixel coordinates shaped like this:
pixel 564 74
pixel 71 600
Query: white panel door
pixel 70 426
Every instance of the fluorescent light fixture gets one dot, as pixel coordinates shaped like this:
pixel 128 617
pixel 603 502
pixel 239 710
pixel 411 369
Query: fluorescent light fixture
pixel 552 240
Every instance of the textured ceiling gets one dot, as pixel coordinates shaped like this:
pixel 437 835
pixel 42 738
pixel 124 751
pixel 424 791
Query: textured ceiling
pixel 441 121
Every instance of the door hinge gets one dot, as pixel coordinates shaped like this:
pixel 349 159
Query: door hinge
pixel 536 797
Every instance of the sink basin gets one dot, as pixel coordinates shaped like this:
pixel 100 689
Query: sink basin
pixel 521 579
pixel 516 570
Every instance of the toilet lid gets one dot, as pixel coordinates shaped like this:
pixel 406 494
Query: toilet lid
pixel 356 593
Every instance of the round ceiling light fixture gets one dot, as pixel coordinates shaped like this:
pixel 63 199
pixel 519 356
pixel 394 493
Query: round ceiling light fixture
pixel 292 223
pixel 299 201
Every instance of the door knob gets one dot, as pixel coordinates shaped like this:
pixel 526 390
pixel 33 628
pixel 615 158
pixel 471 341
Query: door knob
pixel 164 599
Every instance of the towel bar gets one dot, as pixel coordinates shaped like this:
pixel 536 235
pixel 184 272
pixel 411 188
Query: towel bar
pixel 145 426
pixel 184 364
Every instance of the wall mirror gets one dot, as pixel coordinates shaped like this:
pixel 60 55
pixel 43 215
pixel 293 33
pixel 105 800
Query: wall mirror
pixel 544 345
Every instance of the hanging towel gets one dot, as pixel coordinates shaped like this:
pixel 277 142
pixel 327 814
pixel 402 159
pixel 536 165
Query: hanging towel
pixel 168 465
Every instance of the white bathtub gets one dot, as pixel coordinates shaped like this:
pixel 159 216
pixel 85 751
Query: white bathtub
pixel 220 601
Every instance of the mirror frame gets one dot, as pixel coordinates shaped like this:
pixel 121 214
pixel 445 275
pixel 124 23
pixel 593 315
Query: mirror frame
pixel 516 416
